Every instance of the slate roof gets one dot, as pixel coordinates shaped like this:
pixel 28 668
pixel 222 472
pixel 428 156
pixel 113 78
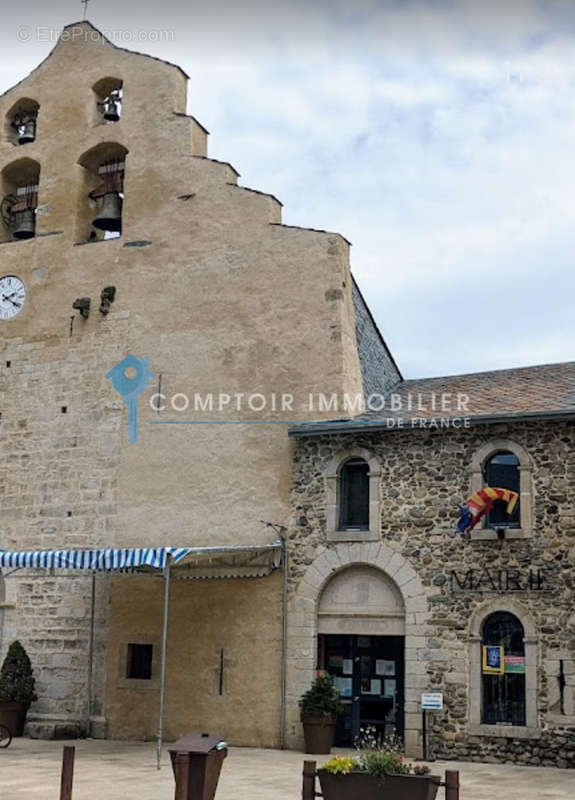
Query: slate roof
pixel 550 387
pixel 546 391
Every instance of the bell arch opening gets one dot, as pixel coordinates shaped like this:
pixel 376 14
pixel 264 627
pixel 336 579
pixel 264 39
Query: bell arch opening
pixel 102 192
pixel 109 97
pixel 21 122
pixel 19 200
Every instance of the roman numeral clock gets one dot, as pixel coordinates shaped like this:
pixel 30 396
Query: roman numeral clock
pixel 12 296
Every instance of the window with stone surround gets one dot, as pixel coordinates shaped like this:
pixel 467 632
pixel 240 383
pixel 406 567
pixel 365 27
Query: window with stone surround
pixel 352 497
pixel 507 464
pixel 503 701
pixel 502 471
pixel 507 705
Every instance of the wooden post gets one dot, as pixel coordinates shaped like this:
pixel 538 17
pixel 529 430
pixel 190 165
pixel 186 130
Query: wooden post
pixel 67 779
pixel 308 788
pixel 182 775
pixel 452 784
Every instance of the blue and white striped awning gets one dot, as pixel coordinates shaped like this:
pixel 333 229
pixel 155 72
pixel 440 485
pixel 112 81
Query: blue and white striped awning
pixel 230 561
pixel 110 559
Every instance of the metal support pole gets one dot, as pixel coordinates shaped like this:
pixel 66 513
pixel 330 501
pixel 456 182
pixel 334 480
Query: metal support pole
pixel 67 779
pixel 167 576
pixel 283 715
pixel 308 787
pixel 91 654
pixel 452 785
pixel 424 733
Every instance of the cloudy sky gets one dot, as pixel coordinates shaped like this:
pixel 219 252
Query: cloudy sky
pixel 438 136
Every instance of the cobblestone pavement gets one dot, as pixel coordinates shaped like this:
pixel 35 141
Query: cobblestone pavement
pixel 124 770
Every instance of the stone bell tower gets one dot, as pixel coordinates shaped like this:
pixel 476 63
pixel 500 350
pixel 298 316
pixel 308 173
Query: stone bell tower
pixel 120 235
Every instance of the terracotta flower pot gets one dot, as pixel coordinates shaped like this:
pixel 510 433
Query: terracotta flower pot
pixel 13 717
pixel 371 787
pixel 318 733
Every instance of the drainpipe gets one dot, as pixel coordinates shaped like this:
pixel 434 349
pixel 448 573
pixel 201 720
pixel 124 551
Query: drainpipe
pixel 167 578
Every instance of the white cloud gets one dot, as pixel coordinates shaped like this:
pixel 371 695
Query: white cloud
pixel 437 136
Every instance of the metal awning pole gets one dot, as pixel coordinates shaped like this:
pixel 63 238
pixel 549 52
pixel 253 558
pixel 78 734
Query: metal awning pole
pixel 167 577
pixel 283 714
pixel 91 653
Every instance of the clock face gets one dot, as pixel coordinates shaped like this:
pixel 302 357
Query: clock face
pixel 12 296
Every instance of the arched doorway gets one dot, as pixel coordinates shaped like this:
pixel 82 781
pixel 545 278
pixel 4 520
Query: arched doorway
pixel 361 635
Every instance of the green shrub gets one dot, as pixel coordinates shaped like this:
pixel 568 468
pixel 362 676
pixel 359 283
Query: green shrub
pixel 322 700
pixel 17 681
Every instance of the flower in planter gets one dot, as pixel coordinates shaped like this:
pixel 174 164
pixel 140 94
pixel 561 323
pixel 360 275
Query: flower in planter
pixel 383 755
pixel 340 765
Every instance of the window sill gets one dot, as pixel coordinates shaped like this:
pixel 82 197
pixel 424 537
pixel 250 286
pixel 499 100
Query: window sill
pixel 505 731
pixel 353 536
pixel 138 684
pixel 490 535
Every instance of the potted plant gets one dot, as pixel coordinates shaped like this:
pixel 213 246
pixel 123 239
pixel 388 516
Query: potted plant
pixel 378 771
pixel 16 689
pixel 320 707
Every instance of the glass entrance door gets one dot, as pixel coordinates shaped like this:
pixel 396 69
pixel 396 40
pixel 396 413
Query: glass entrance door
pixel 369 673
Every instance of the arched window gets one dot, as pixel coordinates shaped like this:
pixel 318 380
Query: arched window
pixel 109 99
pixel 503 670
pixel 21 121
pixel 101 212
pixel 506 464
pixel 501 470
pixel 19 200
pixel 354 495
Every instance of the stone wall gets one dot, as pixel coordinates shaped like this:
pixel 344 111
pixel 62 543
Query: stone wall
pixel 59 482
pixel 424 473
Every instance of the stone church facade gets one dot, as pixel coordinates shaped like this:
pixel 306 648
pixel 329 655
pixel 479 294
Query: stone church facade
pixel 114 200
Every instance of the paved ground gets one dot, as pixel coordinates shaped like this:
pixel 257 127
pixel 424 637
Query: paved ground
pixel 126 771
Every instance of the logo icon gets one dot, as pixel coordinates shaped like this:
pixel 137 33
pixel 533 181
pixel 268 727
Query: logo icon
pixel 131 387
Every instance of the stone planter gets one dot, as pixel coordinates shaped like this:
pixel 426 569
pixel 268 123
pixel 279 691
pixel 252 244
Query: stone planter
pixel 318 733
pixel 13 717
pixel 370 787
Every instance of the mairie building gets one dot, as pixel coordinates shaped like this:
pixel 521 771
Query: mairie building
pixel 307 492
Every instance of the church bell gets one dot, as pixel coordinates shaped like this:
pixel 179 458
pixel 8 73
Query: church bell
pixel 111 110
pixel 110 215
pixel 26 225
pixel 27 132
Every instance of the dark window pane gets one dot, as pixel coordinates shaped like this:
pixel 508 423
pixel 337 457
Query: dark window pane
pixel 354 495
pixel 139 664
pixel 504 695
pixel 502 472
